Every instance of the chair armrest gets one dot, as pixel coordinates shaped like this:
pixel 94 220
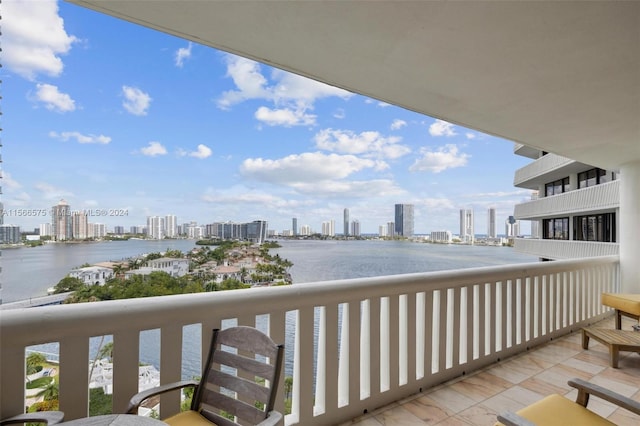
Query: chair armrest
pixel 512 419
pixel 48 417
pixel 272 419
pixel 586 388
pixel 140 397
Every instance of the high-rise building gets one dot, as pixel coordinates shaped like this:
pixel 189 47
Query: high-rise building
pixel 355 228
pixel 391 229
pixel 512 227
pixel 382 231
pixel 46 230
pixel 440 236
pixel 10 234
pixel 491 223
pixel 171 226
pixel 346 222
pixel 404 220
pixel 155 227
pixel 61 221
pixel 467 232
pixel 329 228
pixel 118 230
pixel 97 230
pixel 80 225
pixel 294 226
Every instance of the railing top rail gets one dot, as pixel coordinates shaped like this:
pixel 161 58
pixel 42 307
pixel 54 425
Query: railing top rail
pixel 30 326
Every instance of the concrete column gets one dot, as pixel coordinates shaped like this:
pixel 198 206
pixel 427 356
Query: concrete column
pixel 630 227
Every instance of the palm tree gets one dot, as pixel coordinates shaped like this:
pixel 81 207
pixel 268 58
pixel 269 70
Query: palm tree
pixel 50 392
pixel 34 360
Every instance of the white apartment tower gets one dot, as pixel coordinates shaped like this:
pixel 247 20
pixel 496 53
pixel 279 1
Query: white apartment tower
pixel 355 228
pixel 467 232
pixel 171 226
pixel 155 227
pixel 574 210
pixel 80 225
pixel 329 228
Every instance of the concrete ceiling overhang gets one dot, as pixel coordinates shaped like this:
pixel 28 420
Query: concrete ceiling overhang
pixel 559 76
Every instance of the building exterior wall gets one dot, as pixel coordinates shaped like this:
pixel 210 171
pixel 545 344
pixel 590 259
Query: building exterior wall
pixel 574 208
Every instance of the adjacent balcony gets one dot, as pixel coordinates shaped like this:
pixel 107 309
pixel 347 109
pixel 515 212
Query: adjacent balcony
pixel 353 345
pixel 593 199
pixel 565 249
pixel 545 169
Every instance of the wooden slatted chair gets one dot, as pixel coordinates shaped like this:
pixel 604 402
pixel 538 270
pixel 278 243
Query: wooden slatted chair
pixel 235 388
pixel 556 410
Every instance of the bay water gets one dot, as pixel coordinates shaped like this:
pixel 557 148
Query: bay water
pixel 29 272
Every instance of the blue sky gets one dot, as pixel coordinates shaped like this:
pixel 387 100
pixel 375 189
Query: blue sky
pixel 109 115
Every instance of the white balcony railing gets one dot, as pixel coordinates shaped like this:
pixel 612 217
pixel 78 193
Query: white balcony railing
pixel 359 344
pixel 538 168
pixel 595 198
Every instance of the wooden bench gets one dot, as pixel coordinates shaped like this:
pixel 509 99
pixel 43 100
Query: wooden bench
pixel 615 340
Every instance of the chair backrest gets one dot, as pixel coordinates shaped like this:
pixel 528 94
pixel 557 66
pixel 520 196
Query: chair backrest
pixel 240 377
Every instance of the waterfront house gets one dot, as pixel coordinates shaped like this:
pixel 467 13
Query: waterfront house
pixel 93 275
pixel 560 77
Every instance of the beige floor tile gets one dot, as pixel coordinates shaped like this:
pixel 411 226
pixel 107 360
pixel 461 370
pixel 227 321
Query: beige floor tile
pixel 479 415
pixel 543 387
pixel 398 416
pixel 455 421
pixel 481 386
pixel 451 399
pixel 428 410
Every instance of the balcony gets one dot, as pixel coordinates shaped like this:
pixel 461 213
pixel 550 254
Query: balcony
pixel 546 169
pixel 526 151
pixel 357 345
pixel 564 249
pixel 592 199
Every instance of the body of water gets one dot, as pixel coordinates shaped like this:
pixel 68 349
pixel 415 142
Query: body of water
pixel 28 272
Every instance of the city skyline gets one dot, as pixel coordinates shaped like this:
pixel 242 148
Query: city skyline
pixel 207 135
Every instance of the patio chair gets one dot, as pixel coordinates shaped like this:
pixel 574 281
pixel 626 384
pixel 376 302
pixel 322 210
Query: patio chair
pixel 557 410
pixel 46 417
pixel 240 380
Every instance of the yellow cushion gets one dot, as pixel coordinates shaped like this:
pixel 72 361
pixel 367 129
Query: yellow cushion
pixel 555 410
pixel 625 302
pixel 188 418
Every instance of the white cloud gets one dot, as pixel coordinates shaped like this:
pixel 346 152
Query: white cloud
pixel 8 182
pixel 202 152
pixel 136 101
pixel 80 138
pixel 442 128
pixel 284 117
pixel 470 135
pixel 53 99
pixel 369 143
pixel 383 104
pixel 398 124
pixel 446 157
pixel 154 149
pixel 339 114
pixel 306 167
pixel 242 195
pixel 350 189
pixel 182 54
pixel 291 94
pixel 50 192
pixel 33 38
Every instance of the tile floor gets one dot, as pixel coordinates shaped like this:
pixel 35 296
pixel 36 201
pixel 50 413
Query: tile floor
pixel 476 399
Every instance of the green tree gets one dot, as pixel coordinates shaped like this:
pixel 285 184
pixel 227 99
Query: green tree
pixel 50 392
pixel 68 284
pixel 35 360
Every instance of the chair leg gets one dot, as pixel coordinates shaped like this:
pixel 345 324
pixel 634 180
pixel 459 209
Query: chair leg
pixel 618 319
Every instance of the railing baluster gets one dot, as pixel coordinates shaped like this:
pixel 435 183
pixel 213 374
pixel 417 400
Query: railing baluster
pixel 74 377
pixel 170 367
pixel 126 347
